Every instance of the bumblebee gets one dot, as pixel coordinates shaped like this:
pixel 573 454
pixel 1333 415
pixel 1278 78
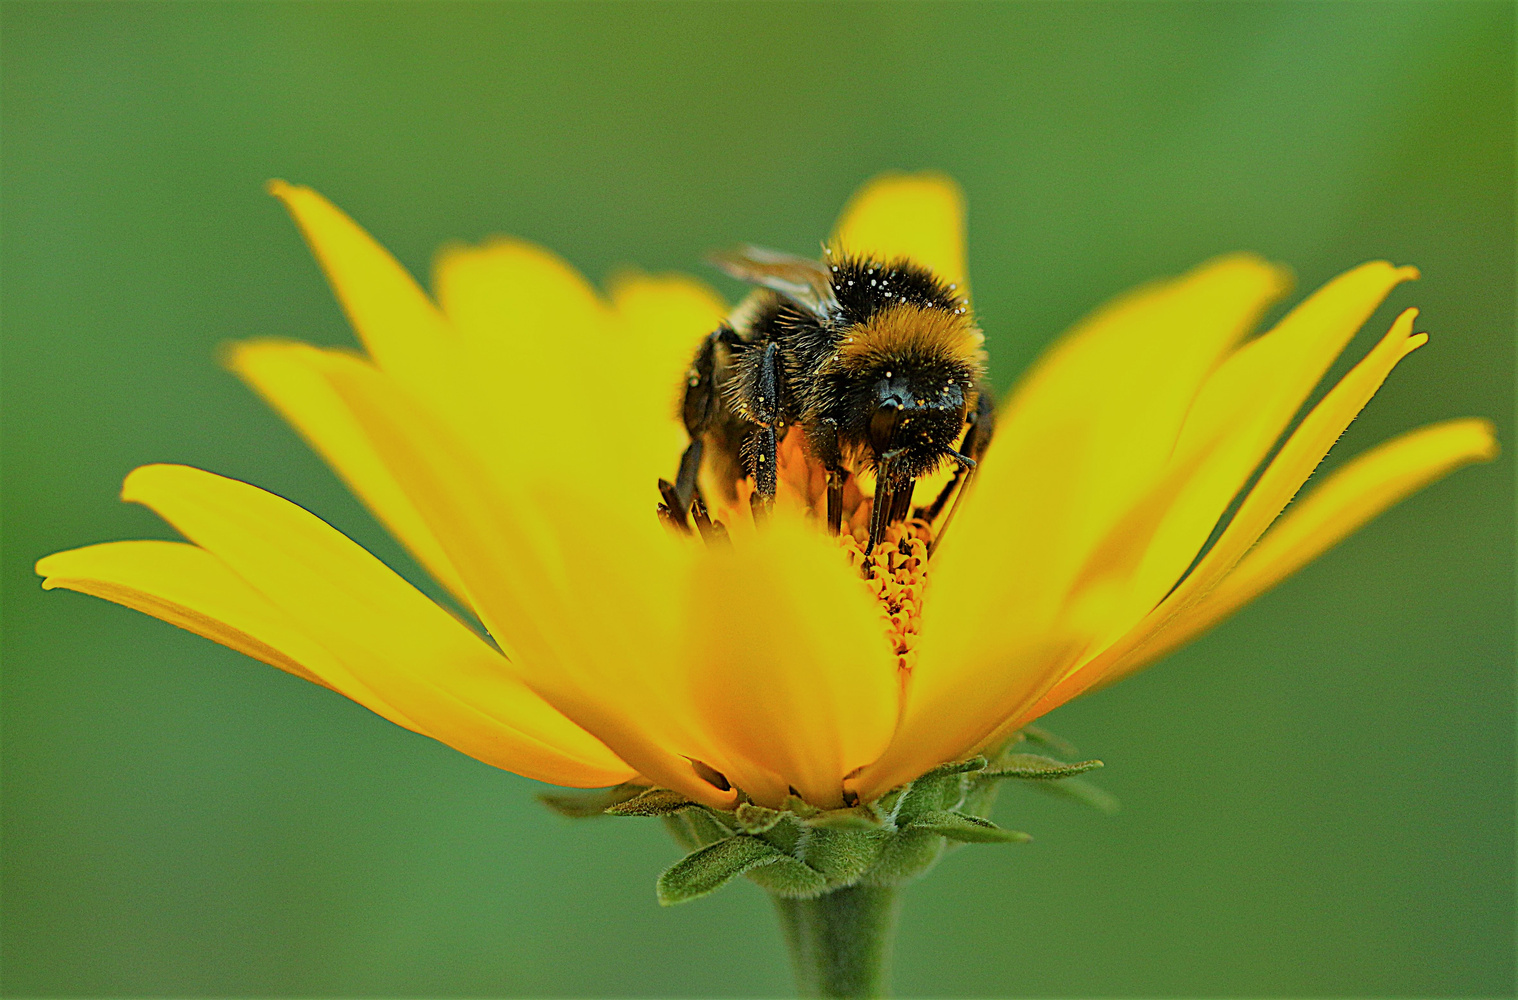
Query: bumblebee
pixel 878 363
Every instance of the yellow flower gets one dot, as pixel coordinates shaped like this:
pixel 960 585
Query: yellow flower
pixel 509 428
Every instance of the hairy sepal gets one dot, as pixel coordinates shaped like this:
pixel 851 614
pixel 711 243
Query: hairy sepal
pixel 801 851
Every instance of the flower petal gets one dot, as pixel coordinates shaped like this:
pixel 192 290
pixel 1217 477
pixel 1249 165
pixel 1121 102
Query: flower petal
pixel 1243 408
pixel 188 587
pixel 1113 394
pixel 663 320
pixel 921 216
pixel 398 323
pixel 520 306
pixel 288 376
pixel 1354 494
pixel 537 336
pixel 410 652
pixel 951 706
pixel 578 595
pixel 559 364
pixel 795 673
pixel 1301 453
pixel 1087 434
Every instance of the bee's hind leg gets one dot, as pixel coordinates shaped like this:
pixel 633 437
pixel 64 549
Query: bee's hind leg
pixel 698 410
pixel 822 440
pixel 763 391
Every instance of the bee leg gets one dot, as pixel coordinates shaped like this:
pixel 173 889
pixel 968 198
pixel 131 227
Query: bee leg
pixel 901 501
pixel 982 426
pixel 670 505
pixel 967 470
pixel 977 439
pixel 962 473
pixel 690 467
pixel 931 511
pixel 822 439
pixel 765 409
pixel 711 531
pixel 761 449
pixel 836 479
pixel 698 409
pixel 880 514
pixel 892 493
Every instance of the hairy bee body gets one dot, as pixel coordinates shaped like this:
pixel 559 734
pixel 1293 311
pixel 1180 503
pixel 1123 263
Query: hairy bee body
pixel 878 363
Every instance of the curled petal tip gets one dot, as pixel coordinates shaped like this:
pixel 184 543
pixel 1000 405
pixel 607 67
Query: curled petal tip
pixel 1489 448
pixel 279 188
pixel 132 485
pixel 229 354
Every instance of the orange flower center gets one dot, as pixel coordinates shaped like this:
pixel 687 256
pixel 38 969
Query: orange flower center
pixel 897 575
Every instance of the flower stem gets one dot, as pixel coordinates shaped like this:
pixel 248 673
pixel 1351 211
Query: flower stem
pixel 840 942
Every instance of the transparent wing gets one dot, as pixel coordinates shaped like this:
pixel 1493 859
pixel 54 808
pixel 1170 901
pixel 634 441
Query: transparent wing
pixel 802 281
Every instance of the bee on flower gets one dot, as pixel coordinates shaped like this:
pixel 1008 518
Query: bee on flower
pixel 1141 485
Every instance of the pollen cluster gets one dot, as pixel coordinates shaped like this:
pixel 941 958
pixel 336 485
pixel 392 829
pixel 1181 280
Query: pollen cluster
pixel 897 576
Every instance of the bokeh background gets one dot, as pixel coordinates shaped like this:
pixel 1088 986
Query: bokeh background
pixel 1318 797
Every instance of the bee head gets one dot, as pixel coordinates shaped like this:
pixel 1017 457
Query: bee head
pixel 906 378
pixel 913 418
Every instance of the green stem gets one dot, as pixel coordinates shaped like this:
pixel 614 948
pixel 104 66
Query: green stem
pixel 840 942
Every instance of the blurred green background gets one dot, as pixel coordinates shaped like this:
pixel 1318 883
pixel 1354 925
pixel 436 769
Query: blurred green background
pixel 1318 796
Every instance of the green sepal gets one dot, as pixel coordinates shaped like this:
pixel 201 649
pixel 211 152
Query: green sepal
pixel 799 807
pixel 585 805
pixel 841 855
pixel 906 856
pixel 696 827
pixel 755 818
pixel 976 763
pixel 942 788
pixel 852 818
pixel 1035 767
pixel 678 825
pixel 980 798
pixel 653 802
pixel 1081 791
pixel 709 869
pixel 800 851
pixel 789 878
pixel 1041 736
pixel 967 829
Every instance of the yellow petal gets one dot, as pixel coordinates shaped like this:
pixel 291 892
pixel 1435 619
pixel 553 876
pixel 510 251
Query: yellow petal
pixel 1242 410
pixel 795 674
pixel 1354 494
pixel 188 587
pixel 1080 443
pixel 520 306
pixel 402 330
pixel 952 706
pixel 921 216
pixel 561 367
pixel 288 375
pixel 538 337
pixel 1301 453
pixel 410 652
pixel 579 595
pixel 1114 392
pixel 390 312
pixel 663 321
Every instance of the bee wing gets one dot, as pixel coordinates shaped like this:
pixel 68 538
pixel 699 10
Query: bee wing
pixel 805 282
